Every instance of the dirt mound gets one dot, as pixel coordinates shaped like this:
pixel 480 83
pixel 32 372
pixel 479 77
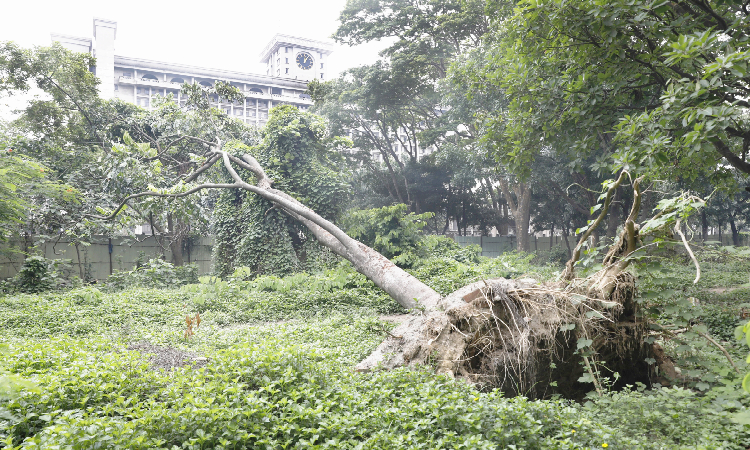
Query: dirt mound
pixel 168 358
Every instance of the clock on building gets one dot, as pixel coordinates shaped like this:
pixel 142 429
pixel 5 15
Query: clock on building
pixel 304 61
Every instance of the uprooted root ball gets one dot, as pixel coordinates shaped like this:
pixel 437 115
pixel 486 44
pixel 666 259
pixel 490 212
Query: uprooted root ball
pixel 525 338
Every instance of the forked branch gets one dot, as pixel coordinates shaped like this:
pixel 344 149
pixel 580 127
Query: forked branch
pixel 408 291
pixel 569 272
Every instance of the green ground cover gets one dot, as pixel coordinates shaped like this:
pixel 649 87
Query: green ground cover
pixel 279 370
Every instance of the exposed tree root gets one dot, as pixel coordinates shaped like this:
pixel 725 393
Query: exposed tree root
pixel 535 339
pixel 519 336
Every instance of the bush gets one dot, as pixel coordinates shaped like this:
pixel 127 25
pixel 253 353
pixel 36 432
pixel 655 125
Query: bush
pixel 39 274
pixel 558 256
pixel 721 321
pixel 444 247
pixel 156 273
pixel 667 418
pixel 390 231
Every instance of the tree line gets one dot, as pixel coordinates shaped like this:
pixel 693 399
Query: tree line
pixel 529 106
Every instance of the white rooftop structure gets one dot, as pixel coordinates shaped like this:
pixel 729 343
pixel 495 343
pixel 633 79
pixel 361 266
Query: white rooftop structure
pixel 295 57
pixel 291 63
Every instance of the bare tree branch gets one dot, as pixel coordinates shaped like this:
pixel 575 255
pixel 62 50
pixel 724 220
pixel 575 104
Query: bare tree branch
pixel 159 194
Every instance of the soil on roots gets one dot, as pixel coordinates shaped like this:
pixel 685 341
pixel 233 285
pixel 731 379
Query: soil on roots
pixel 526 338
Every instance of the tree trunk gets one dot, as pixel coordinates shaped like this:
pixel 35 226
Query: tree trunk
pixel 552 236
pixel 614 219
pixel 704 225
pixel 520 207
pixel 504 224
pixel 565 238
pixel 408 291
pixel 735 233
pixel 176 234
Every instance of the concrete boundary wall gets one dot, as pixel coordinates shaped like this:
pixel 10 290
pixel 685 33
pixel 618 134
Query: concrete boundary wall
pixel 495 246
pixel 105 255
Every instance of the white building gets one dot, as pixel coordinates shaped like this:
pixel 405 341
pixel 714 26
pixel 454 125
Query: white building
pixel 291 63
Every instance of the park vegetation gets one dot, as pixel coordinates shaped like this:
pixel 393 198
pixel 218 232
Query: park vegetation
pixel 337 314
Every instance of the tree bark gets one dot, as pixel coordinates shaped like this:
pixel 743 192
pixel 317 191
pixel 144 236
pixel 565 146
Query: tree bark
pixel 552 236
pixel 735 233
pixel 176 234
pixel 615 217
pixel 520 207
pixel 565 235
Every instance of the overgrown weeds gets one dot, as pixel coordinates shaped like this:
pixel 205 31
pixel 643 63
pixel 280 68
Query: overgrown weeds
pixel 280 352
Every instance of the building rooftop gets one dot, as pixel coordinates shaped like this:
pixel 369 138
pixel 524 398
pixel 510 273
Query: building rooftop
pixel 219 74
pixel 280 40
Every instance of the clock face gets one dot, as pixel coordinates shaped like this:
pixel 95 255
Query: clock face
pixel 304 61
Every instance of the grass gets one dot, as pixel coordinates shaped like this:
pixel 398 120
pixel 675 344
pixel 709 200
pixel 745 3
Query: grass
pixel 280 374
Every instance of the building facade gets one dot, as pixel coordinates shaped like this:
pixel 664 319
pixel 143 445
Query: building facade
pixel 291 62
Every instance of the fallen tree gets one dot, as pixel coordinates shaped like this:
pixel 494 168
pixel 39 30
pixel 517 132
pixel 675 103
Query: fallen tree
pixel 517 335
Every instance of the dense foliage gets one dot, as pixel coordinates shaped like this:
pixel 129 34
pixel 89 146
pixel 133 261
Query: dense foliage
pixel 390 230
pixel 297 154
pixel 529 106
pixel 279 352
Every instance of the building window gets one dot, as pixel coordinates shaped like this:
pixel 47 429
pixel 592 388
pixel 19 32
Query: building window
pixel 117 88
pixel 178 80
pixel 321 76
pixel 321 65
pixel 287 70
pixel 287 60
pixel 278 71
pixel 127 74
pixel 320 55
pixel 286 50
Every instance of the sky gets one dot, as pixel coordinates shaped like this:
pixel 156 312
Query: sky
pixel 216 34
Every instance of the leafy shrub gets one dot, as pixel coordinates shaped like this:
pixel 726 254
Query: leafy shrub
pixel 444 247
pixel 390 231
pixel 445 275
pixel 667 418
pixel 288 383
pixel 270 394
pixel 558 255
pixel 39 274
pixel 156 273
pixel 721 321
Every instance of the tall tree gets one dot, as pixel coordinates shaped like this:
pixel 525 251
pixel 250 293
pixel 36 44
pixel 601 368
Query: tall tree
pixel 658 84
pixel 392 106
pixel 107 149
